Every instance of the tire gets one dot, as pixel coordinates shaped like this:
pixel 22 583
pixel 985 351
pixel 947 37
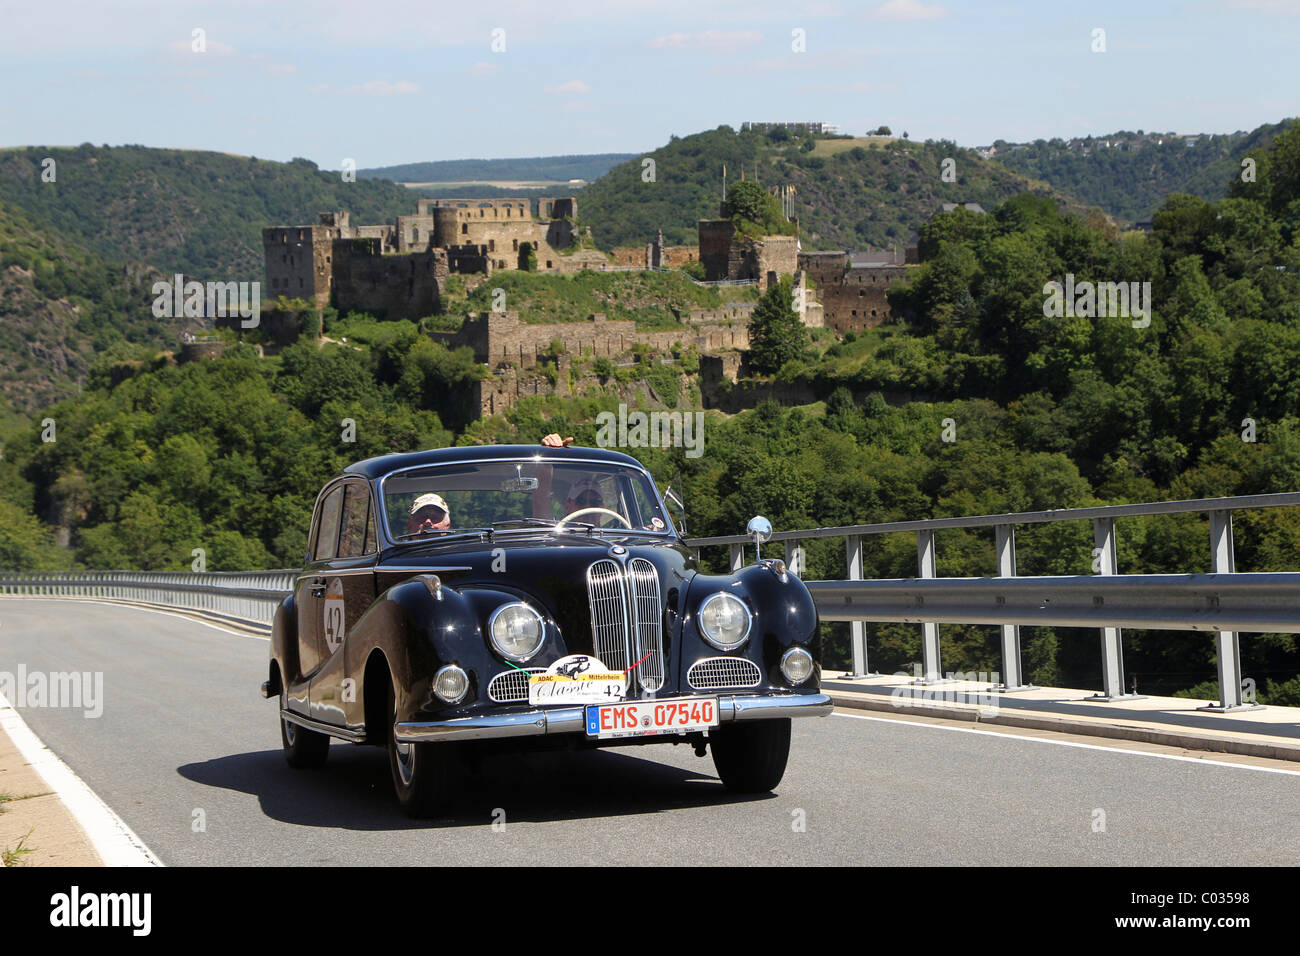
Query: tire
pixel 304 749
pixel 423 774
pixel 751 757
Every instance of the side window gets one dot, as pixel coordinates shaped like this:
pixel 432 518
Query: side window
pixel 356 509
pixel 327 537
pixel 371 547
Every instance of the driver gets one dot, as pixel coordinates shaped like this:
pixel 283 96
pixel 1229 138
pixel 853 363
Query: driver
pixel 584 492
pixel 429 515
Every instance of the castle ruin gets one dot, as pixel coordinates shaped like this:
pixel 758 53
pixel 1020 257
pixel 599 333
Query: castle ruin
pixel 400 270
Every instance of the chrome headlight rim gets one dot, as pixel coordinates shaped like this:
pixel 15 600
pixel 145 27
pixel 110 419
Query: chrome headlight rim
pixel 541 631
pixel 437 679
pixel 745 613
pixel 803 652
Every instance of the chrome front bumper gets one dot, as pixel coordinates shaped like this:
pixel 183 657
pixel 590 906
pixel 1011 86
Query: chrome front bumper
pixel 572 720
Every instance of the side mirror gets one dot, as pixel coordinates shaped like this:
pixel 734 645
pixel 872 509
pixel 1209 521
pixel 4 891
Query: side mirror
pixel 761 529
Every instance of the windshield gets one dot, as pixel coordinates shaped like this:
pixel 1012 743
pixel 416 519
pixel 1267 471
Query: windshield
pixel 428 502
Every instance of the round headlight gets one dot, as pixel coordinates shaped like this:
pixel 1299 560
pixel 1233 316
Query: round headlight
pixel 450 683
pixel 516 631
pixel 724 621
pixel 796 665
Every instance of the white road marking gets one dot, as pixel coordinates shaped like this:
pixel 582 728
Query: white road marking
pixel 114 841
pixel 1069 743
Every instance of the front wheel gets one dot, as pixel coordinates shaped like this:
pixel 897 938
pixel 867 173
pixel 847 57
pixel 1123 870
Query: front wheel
pixel 751 757
pixel 422 773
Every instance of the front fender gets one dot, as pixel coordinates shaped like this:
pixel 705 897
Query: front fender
pixel 782 614
pixel 419 633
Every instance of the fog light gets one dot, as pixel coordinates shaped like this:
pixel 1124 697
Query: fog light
pixel 796 665
pixel 451 683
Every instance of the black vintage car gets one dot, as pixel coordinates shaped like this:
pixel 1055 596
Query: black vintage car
pixel 455 596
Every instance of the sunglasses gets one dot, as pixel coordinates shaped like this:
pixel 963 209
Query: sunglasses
pixel 589 500
pixel 430 513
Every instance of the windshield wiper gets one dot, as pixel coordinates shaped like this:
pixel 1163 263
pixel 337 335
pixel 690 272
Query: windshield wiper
pixel 524 523
pixel 442 535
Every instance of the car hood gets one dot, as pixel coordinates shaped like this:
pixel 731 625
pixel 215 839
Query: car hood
pixel 550 571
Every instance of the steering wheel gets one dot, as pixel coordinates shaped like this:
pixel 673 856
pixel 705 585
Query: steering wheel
pixel 603 511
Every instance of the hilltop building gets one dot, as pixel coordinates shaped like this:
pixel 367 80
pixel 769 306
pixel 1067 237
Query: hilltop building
pixel 799 127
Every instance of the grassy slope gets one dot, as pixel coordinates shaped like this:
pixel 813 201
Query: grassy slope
pixel 858 196
pixel 648 298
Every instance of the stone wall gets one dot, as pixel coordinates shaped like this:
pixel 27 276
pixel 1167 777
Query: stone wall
pixel 853 297
pixel 395 286
pixel 635 256
pixel 298 262
pixel 715 248
pixel 726 256
pixel 500 338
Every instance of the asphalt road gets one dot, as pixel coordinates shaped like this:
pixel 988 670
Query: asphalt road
pixel 184 729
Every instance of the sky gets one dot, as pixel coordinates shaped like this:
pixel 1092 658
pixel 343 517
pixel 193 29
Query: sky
pixel 382 82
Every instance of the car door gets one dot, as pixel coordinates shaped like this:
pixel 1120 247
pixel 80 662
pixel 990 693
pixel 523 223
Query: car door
pixel 349 590
pixel 312 582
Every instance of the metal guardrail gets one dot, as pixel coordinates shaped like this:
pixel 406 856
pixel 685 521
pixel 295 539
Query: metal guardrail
pixel 953 600
pixel 243 597
pixel 1221 601
pixel 1263 603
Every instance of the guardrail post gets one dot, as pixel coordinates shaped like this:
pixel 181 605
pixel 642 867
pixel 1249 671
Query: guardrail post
pixel 1112 648
pixel 857 629
pixel 1223 561
pixel 1012 670
pixel 796 561
pixel 737 556
pixel 929 630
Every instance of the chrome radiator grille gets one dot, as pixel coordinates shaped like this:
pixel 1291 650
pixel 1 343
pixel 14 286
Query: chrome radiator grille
pixel 608 613
pixel 627 618
pixel 512 685
pixel 647 624
pixel 723 672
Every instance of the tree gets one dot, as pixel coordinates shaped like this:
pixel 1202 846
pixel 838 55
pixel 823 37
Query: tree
pixel 748 200
pixel 776 334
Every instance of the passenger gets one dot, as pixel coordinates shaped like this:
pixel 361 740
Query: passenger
pixel 583 491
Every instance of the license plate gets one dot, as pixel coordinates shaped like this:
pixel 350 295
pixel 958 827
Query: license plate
pixel 647 717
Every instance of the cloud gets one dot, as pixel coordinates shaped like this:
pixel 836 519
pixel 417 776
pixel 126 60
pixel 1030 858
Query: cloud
pixel 572 88
pixel 714 41
pixel 484 69
pixel 383 88
pixel 907 10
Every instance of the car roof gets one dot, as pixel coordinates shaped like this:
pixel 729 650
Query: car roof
pixel 373 468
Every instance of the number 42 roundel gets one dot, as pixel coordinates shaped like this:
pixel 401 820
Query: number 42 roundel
pixel 335 615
